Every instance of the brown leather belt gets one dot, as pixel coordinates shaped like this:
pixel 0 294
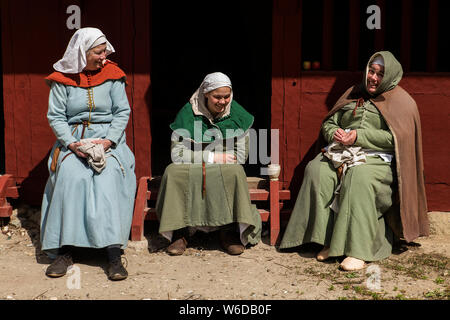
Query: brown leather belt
pixel 204 180
pixel 55 158
pixel 85 124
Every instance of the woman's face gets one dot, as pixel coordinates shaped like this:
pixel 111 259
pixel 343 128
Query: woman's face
pixel 95 57
pixel 374 77
pixel 218 99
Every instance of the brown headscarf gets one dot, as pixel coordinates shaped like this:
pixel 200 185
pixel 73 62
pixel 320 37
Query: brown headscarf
pixel 400 112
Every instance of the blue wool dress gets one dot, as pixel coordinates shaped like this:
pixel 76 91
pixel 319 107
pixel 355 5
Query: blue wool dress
pixel 81 207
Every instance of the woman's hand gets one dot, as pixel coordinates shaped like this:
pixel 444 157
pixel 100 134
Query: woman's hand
pixel 74 147
pixel 105 142
pixel 339 134
pixel 346 138
pixel 224 158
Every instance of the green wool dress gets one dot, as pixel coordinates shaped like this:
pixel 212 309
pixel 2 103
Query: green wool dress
pixel 185 199
pixel 359 228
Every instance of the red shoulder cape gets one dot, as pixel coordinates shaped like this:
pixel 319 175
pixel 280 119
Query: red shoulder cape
pixel 110 71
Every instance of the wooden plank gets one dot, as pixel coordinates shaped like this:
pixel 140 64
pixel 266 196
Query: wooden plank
pixel 5 211
pixel 258 194
pixel 10 188
pixel 4 183
pixel 273 216
pixel 274 211
pixel 12 192
pixel 264 214
pixel 284 194
pixel 257 183
pixel 263 195
pixel 255 194
pixel 137 224
pixel 151 214
pixel 5 207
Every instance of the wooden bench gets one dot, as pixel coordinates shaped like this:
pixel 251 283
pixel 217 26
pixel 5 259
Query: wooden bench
pixel 265 193
pixel 8 189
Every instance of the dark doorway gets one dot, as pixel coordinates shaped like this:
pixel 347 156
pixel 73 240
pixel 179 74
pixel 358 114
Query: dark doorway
pixel 193 38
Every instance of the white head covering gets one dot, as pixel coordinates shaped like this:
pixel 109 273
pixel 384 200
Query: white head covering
pixel 74 59
pixel 211 82
pixel 378 60
pixel 215 80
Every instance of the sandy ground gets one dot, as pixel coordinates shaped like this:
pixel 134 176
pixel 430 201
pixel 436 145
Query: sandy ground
pixel 419 270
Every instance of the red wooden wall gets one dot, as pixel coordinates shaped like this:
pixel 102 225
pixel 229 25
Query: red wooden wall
pixel 34 36
pixel 300 99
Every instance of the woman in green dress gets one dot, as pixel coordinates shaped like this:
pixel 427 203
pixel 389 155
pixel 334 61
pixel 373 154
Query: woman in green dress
pixel 205 188
pixel 373 156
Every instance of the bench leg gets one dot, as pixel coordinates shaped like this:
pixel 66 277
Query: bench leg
pixel 137 225
pixel 274 211
pixel 5 208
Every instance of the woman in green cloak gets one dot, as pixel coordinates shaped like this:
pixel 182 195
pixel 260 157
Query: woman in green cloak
pixel 205 188
pixel 347 201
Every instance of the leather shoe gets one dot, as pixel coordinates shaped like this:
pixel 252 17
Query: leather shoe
pixel 177 247
pixel 231 243
pixel 58 267
pixel 116 270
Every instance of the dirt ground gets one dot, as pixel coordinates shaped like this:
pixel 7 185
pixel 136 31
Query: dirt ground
pixel 419 270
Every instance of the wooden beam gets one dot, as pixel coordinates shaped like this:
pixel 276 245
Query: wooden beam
pixel 274 211
pixel 140 203
pixel 6 183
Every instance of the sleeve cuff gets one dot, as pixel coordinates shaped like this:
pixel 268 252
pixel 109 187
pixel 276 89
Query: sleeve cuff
pixel 113 141
pixel 68 142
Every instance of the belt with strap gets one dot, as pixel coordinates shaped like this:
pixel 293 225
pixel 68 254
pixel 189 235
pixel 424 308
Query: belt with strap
pixel 204 179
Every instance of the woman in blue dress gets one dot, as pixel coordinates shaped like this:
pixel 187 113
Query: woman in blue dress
pixel 89 196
